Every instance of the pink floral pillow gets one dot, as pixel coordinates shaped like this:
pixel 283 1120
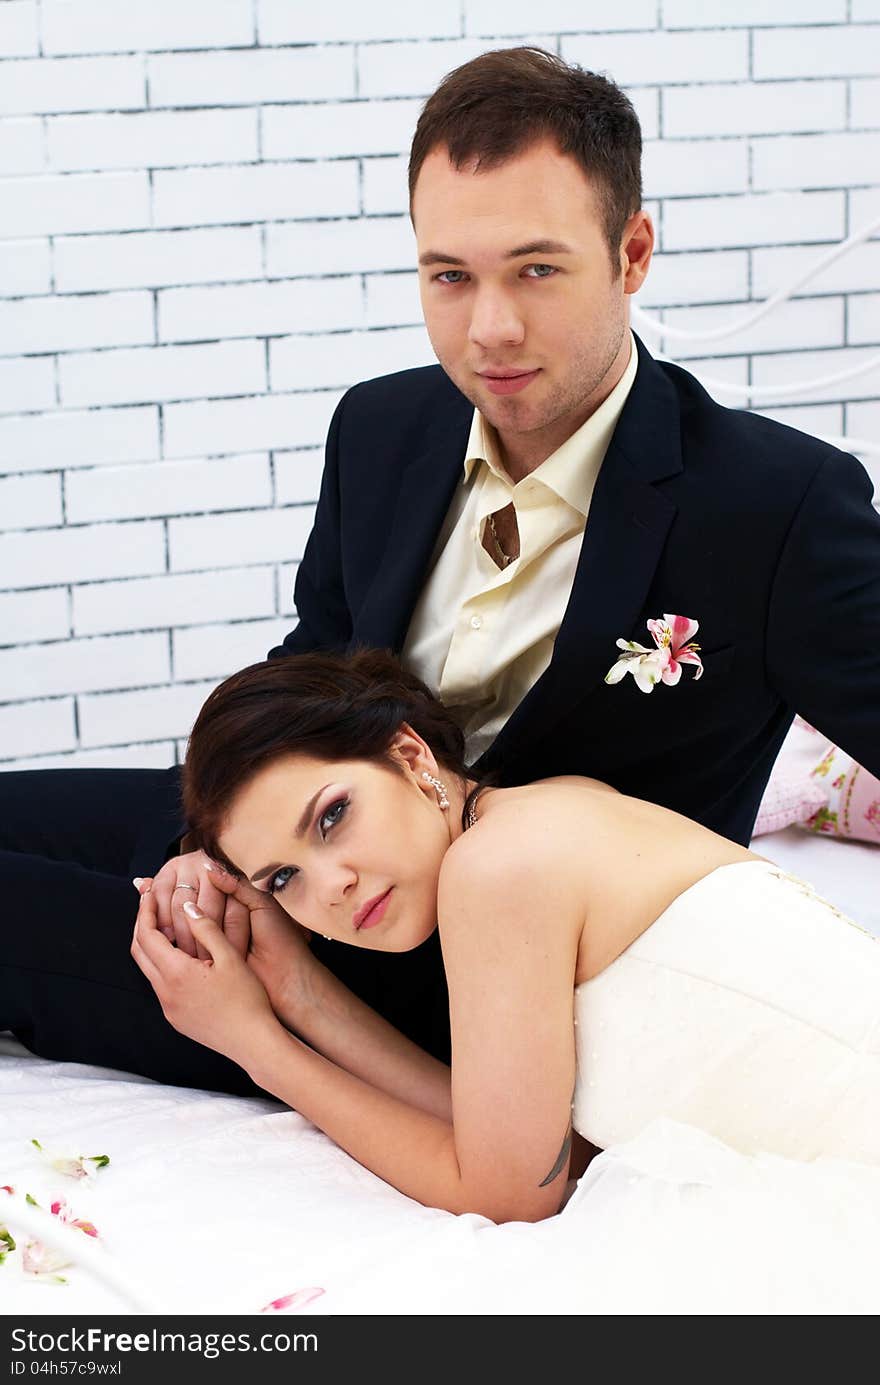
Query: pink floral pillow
pixel 815 785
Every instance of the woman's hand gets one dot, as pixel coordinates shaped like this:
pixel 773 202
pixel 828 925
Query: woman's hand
pixel 189 878
pixel 216 998
pixel 279 953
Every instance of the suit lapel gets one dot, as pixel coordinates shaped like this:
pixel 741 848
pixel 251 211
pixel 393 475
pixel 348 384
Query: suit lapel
pixel 425 494
pixel 626 532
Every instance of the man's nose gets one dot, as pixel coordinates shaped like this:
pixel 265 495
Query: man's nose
pixel 495 320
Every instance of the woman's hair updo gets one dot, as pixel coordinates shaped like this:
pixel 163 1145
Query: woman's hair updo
pixel 328 706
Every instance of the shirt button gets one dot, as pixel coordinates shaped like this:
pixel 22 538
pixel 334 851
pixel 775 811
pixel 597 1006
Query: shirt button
pixel 476 622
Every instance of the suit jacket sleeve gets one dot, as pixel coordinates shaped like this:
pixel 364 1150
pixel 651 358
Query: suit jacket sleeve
pixel 319 595
pixel 823 630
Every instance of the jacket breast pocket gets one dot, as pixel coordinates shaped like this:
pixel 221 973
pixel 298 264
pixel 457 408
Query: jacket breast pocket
pixel 677 703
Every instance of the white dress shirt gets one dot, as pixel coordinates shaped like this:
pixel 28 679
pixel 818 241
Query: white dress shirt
pixel 481 636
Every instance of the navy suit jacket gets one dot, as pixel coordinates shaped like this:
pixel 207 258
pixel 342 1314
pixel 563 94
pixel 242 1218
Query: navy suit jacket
pixel 764 535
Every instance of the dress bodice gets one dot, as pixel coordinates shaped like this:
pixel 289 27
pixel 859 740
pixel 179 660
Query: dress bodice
pixel 749 1009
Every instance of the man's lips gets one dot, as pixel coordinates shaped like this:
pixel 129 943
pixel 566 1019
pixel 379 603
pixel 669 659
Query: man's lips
pixel 372 912
pixel 507 381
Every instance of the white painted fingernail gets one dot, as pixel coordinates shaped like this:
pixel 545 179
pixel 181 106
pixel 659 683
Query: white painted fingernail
pixel 191 910
pixel 138 881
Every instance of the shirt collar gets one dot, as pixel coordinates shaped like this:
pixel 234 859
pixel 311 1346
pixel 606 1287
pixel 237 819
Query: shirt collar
pixel 569 471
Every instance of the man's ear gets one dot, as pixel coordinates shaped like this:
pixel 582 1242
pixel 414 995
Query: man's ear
pixel 636 249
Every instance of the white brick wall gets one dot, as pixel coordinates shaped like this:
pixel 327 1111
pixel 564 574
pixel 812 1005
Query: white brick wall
pixel 205 241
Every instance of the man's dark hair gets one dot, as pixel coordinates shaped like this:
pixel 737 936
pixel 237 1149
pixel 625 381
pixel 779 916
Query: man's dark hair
pixel 494 107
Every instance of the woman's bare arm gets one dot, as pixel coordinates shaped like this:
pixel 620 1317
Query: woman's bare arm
pixel 339 1025
pixel 510 943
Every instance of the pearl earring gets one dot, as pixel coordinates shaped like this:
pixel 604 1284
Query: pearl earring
pixel 439 786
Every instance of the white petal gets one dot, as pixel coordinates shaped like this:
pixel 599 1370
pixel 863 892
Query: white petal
pixel 618 671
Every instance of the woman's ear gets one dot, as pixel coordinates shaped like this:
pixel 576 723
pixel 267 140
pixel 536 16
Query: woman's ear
pixel 409 749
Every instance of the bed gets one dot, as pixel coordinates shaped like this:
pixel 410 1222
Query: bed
pixel 218 1205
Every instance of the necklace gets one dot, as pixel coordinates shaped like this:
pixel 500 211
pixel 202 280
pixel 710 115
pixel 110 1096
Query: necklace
pixel 471 815
pixel 503 559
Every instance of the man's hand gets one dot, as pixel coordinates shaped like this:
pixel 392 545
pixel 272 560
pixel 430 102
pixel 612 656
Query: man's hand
pixel 190 877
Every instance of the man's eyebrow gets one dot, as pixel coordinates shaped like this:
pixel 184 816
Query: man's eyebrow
pixel 434 257
pixel 540 247
pixel 532 247
pixel 299 831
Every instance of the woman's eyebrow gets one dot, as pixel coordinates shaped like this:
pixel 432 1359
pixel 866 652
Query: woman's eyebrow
pixel 303 824
pixel 263 871
pixel 299 831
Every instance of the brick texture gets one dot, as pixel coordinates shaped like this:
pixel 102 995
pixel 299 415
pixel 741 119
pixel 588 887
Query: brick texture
pixel 205 241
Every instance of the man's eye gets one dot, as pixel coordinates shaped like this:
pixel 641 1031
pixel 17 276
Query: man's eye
pixel 540 271
pixel 332 815
pixel 451 276
pixel 281 878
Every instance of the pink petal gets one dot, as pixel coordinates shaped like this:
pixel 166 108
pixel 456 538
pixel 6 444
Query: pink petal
pixel 40 1259
pixel 298 1299
pixel 688 656
pixel 683 629
pixel 87 1227
pixel 660 632
pixel 671 674
pixel 6 1188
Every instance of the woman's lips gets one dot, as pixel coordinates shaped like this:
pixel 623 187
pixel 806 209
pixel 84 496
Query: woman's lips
pixel 373 912
pixel 508 384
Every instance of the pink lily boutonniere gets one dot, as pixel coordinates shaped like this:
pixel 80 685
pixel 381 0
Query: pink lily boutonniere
pixel 672 638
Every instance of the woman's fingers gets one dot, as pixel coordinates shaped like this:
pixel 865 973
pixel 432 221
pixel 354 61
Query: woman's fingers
pixel 237 924
pixel 167 889
pixel 209 935
pixel 147 934
pixel 236 886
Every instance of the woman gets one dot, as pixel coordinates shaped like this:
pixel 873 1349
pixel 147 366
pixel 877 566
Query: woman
pixel 608 961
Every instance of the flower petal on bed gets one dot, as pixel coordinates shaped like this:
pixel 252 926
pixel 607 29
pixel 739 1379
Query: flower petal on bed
pixel 74 1167
pixel 43 1262
pixel 293 1301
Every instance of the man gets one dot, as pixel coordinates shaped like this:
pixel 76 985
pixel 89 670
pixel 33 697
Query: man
pixel 512 519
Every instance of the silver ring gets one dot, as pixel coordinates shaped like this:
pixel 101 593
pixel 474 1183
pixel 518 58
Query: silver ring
pixel 186 887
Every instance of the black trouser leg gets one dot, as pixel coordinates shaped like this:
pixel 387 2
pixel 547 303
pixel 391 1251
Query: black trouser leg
pixel 70 841
pixel 118 821
pixel 69 988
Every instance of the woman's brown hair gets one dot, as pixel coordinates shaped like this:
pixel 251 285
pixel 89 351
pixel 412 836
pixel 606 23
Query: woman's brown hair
pixel 328 706
pixel 494 107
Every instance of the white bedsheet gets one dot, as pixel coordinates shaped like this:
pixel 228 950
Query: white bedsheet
pixel 214 1204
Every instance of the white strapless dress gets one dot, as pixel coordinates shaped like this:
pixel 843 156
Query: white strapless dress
pixel 750 1010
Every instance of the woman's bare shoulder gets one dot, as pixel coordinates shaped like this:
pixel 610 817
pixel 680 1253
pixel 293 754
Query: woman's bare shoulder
pixel 523 834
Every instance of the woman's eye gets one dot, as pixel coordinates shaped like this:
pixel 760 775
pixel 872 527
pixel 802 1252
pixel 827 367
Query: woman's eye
pixel 540 271
pixel 451 276
pixel 332 815
pixel 281 878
